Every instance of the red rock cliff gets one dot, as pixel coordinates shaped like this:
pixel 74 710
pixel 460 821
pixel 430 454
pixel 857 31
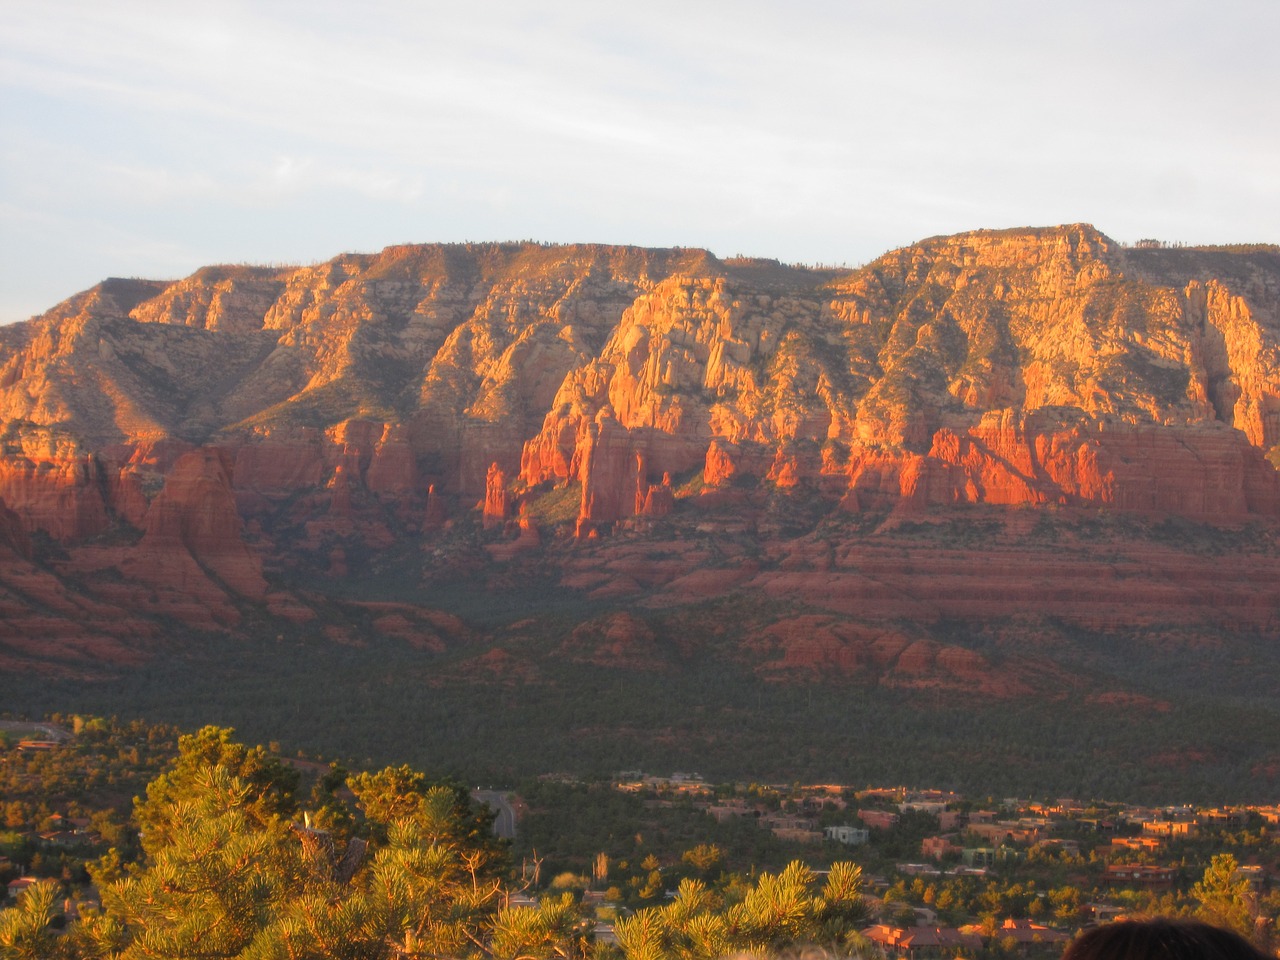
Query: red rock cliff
pixel 193 544
pixel 1018 367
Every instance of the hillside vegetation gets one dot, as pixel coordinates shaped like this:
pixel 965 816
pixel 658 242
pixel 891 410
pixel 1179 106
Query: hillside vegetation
pixel 995 508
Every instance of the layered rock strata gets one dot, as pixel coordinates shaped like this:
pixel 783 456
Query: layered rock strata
pixel 375 397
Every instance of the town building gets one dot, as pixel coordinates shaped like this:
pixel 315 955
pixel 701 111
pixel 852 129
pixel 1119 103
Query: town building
pixel 851 836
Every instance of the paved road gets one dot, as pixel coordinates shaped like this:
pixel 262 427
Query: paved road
pixel 504 824
pixel 48 729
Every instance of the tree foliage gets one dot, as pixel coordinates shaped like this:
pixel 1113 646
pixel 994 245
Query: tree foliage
pixel 269 785
pixel 215 876
pixel 234 865
pixel 25 932
pixel 1225 898
pixel 779 910
pixel 234 868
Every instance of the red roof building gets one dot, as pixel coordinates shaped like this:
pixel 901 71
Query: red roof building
pixel 1028 935
pixel 921 941
pixel 17 886
pixel 1138 875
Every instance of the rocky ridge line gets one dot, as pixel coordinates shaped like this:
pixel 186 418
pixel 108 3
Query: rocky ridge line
pixel 374 397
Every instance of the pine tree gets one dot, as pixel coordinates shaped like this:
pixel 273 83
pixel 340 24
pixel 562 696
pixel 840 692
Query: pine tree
pixel 778 912
pixel 1225 898
pixel 25 931
pixel 213 879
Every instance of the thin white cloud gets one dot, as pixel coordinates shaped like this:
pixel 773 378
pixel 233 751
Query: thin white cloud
pixel 820 129
pixel 305 174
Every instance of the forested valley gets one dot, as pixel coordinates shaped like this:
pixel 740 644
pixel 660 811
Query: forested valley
pixel 127 840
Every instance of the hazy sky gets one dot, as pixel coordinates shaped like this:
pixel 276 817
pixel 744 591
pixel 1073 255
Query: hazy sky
pixel 150 138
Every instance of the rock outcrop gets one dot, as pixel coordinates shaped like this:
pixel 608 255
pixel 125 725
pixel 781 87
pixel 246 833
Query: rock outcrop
pixel 193 552
pixel 54 486
pixel 497 502
pixel 1032 459
pixel 295 417
pixel 926 367
pixel 13 537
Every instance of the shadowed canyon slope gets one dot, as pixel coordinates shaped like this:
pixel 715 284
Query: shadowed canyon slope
pixel 929 473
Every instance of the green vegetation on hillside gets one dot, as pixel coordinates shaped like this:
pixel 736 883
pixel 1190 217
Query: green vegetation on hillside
pixel 237 862
pixel 244 855
pixel 499 720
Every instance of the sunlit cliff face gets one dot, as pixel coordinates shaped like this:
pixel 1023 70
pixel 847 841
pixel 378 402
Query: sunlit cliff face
pixel 197 437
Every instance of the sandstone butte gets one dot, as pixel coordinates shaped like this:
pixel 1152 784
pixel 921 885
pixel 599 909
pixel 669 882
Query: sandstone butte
pixel 175 442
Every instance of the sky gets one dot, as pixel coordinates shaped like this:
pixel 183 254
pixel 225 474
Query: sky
pixel 147 138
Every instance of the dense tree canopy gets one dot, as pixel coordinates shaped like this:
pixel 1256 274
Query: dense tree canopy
pixel 375 866
pixel 781 910
pixel 237 860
